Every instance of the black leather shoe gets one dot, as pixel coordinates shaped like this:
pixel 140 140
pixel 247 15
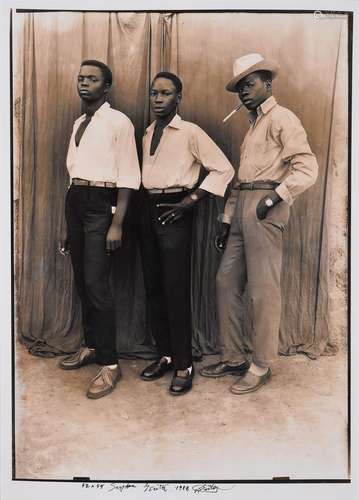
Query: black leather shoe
pixel 156 370
pixel 181 384
pixel 221 369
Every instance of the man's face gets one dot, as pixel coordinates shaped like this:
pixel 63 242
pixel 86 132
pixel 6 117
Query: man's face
pixel 163 97
pixel 90 83
pixel 252 91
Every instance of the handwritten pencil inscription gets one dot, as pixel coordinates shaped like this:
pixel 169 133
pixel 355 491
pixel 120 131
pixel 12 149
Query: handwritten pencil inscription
pixel 158 488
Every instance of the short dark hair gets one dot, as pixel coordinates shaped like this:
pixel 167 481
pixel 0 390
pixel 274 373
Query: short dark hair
pixel 106 72
pixel 170 76
pixel 265 75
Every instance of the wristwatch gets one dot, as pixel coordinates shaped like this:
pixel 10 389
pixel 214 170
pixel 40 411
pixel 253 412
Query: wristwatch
pixel 269 203
pixel 194 197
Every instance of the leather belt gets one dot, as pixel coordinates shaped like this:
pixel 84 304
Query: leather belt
pixel 83 182
pixel 258 185
pixel 167 190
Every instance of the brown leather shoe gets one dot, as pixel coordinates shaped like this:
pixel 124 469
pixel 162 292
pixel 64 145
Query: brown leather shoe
pixel 222 369
pixel 82 357
pixel 250 382
pixel 104 382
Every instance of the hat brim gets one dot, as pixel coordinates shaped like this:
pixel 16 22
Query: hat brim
pixel 265 65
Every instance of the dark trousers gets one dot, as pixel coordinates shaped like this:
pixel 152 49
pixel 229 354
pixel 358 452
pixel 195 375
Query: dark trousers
pixel 88 217
pixel 166 257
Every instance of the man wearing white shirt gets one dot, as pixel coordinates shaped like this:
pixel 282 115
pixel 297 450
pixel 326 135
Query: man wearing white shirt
pixel 173 152
pixel 103 166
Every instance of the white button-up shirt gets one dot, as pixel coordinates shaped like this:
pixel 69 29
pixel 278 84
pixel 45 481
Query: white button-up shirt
pixel 183 148
pixel 107 150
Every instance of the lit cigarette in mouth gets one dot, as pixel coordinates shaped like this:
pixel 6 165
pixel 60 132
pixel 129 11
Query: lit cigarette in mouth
pixel 232 113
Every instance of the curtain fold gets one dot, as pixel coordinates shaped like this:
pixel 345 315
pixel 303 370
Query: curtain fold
pixel 312 83
pixel 47 309
pixel 331 313
pixel 306 85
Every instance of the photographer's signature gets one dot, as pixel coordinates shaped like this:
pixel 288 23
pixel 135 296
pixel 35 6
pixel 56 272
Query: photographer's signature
pixel 209 488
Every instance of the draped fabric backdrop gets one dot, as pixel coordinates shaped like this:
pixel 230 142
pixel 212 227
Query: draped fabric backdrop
pixel 200 48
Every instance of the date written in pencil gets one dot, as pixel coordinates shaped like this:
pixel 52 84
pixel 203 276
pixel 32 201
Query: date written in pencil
pixel 156 487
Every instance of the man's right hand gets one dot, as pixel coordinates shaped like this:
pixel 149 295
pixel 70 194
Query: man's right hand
pixel 220 240
pixel 64 245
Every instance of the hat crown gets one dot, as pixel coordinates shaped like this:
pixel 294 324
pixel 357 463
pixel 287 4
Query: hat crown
pixel 245 62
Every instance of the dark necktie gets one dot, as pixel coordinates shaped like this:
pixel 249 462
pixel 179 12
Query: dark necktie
pixel 80 131
pixel 156 137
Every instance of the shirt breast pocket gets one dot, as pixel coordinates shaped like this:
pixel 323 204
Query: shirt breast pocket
pixel 260 154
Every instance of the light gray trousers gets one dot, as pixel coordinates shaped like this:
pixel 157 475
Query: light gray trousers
pixel 253 258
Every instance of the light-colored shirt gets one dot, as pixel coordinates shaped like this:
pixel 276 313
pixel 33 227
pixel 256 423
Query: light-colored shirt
pixel 275 148
pixel 182 149
pixel 107 150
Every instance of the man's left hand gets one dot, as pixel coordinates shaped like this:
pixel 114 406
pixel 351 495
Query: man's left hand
pixel 113 238
pixel 177 210
pixel 266 203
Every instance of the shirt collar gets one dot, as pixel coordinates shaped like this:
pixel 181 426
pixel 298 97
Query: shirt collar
pixel 102 109
pixel 176 122
pixel 99 112
pixel 263 109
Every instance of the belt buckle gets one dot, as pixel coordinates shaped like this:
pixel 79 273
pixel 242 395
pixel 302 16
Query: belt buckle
pixel 251 186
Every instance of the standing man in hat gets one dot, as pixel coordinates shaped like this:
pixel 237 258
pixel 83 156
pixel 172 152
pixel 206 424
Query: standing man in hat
pixel 173 152
pixel 276 165
pixel 103 166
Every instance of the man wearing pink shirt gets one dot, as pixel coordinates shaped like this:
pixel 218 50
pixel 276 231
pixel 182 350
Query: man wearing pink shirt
pixel 276 166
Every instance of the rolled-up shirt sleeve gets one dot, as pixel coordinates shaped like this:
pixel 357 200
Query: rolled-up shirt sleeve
pixel 128 169
pixel 206 152
pixel 302 163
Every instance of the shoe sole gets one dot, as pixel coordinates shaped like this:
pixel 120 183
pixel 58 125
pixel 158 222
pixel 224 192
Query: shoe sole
pixel 253 389
pixel 238 373
pixel 100 395
pixel 76 367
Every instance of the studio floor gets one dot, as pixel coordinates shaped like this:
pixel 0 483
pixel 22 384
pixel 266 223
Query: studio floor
pixel 295 426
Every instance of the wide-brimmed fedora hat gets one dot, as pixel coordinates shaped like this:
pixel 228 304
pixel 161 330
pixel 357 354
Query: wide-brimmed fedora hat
pixel 245 65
